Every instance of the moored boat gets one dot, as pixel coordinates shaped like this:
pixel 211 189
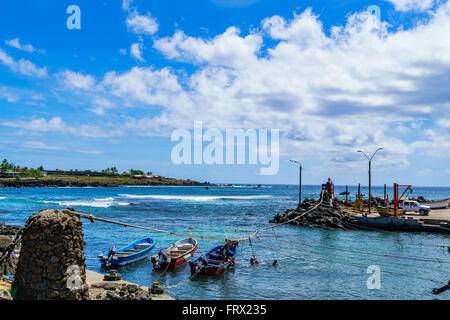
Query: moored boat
pixel 216 260
pixel 136 251
pixel 177 255
pixel 388 212
pixel 438 204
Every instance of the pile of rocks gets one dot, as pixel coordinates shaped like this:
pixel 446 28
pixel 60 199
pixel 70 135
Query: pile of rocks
pixel 119 291
pixel 51 263
pixel 324 215
pixel 9 230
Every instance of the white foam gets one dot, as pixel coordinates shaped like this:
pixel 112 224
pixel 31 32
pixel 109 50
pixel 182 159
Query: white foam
pixel 75 203
pixel 192 198
pixel 1 198
pixel 123 203
pixel 104 199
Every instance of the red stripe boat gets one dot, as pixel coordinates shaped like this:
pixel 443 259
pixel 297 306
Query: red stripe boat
pixel 177 255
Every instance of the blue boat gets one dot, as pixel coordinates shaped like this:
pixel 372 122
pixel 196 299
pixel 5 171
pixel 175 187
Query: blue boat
pixel 216 260
pixel 136 251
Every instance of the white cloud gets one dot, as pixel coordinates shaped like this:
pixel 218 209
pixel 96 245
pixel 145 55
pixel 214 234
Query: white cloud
pixel 56 124
pixel 305 29
pixel 22 66
pixel 227 49
pixel 408 5
pixel 15 43
pixel 75 80
pixel 136 51
pixel 126 4
pixel 8 95
pixel 143 84
pixel 43 146
pixel 139 24
pixel 100 105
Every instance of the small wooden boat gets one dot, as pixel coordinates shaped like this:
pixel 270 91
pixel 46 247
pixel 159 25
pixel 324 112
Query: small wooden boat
pixel 439 204
pixel 177 255
pixel 213 262
pixel 388 212
pixel 136 251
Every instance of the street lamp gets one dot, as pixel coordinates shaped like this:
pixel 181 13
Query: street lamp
pixel 300 182
pixel 370 174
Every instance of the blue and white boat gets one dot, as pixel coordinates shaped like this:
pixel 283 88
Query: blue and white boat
pixel 136 251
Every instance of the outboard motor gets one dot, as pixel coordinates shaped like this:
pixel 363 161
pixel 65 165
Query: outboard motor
pixel 202 263
pixel 162 257
pixel 111 253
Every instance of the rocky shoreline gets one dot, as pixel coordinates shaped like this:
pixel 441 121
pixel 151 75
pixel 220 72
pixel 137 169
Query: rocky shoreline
pixel 41 183
pixel 324 215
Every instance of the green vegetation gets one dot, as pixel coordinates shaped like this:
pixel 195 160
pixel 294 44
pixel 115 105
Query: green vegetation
pixel 108 176
pixel 8 167
pixel 119 180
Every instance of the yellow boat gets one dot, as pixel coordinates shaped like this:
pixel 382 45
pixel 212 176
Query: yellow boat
pixel 388 212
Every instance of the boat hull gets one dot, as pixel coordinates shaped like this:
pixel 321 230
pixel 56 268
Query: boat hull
pixel 442 204
pixel 175 263
pixel 212 269
pixel 387 212
pixel 131 258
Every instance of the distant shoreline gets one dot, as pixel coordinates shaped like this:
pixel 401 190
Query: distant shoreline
pixel 105 182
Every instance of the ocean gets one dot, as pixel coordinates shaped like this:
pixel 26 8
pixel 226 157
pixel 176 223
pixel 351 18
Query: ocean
pixel 314 263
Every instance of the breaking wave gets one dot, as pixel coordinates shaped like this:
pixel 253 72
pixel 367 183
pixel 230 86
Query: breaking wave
pixel 192 198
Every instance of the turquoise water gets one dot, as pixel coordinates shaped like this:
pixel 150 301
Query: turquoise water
pixel 313 263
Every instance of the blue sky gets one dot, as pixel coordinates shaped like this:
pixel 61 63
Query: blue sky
pixel 331 77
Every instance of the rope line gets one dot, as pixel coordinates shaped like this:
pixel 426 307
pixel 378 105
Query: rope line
pixel 399 257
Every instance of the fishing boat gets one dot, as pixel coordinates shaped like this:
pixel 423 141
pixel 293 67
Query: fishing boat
pixel 438 204
pixel 177 255
pixel 136 251
pixel 388 212
pixel 213 261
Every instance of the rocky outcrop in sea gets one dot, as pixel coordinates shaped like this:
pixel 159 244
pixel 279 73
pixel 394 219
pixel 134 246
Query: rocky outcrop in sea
pixel 324 215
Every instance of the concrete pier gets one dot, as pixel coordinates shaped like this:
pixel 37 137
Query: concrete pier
pixel 438 220
pixel 96 282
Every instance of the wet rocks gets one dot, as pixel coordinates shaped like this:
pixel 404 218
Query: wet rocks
pixel 120 291
pixel 8 266
pixel 156 288
pixel 324 215
pixel 51 263
pixel 5 295
pixel 9 230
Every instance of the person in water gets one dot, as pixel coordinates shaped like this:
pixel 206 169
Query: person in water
pixel 275 263
pixel 253 261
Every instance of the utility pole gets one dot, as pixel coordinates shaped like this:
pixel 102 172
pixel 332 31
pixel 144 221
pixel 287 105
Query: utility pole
pixel 299 182
pixel 370 174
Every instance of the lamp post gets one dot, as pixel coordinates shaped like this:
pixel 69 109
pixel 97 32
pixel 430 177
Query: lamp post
pixel 299 182
pixel 370 174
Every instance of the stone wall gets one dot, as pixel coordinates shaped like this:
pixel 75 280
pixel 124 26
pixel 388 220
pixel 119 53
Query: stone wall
pixel 51 262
